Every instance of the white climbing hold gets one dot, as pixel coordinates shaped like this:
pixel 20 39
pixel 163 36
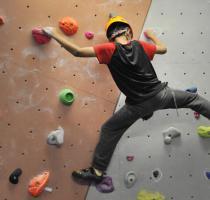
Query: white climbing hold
pixel 171 133
pixel 48 189
pixel 56 137
pixel 130 179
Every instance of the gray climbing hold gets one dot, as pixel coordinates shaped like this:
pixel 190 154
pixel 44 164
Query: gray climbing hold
pixel 171 133
pixel 130 179
pixel 56 137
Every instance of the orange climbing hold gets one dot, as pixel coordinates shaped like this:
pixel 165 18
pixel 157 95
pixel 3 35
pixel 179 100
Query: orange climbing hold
pixel 38 183
pixel 1 20
pixel 68 25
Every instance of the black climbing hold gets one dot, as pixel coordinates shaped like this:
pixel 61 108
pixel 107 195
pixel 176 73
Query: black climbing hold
pixel 156 174
pixel 14 176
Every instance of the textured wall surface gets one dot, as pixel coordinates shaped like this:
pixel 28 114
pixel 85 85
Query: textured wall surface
pixel 184 28
pixel 31 77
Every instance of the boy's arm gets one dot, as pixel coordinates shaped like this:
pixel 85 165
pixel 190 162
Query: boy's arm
pixel 160 46
pixel 68 45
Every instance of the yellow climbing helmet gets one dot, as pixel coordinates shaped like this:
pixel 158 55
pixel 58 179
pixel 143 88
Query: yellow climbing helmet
pixel 116 19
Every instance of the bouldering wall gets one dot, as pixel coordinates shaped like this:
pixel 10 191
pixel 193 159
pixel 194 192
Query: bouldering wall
pixel 31 77
pixel 180 170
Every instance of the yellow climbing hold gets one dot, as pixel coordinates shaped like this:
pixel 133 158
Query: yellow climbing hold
pixel 204 131
pixel 145 195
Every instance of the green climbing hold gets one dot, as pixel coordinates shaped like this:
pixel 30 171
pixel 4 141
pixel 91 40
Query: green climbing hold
pixel 66 96
pixel 204 131
pixel 145 195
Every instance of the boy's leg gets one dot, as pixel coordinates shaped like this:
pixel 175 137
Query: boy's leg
pixel 111 132
pixel 183 99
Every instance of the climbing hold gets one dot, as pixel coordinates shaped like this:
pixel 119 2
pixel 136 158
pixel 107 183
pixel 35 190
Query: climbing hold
pixel 39 36
pixel 145 195
pixel 48 189
pixel 207 175
pixel 68 25
pixel 196 115
pixel 56 137
pixel 129 158
pixel 157 175
pixel 1 20
pixel 89 35
pixel 67 96
pixel 106 185
pixel 130 179
pixel 171 133
pixel 14 176
pixel 204 131
pixel 192 89
pixel 38 183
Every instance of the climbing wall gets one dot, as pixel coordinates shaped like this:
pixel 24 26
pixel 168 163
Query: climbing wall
pixel 176 170
pixel 31 77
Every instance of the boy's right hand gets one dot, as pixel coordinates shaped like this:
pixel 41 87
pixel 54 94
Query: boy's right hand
pixel 149 34
pixel 48 31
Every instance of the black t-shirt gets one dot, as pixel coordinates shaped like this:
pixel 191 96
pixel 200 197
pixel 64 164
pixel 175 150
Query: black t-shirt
pixel 133 72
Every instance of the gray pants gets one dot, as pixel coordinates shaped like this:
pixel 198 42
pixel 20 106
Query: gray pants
pixel 113 129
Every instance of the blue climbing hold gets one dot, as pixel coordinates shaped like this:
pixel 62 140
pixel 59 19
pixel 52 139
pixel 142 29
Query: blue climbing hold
pixel 192 89
pixel 208 175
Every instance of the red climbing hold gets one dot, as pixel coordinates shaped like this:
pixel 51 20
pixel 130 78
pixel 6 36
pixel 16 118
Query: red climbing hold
pixel 1 20
pixel 89 35
pixel 197 115
pixel 39 36
pixel 68 25
pixel 130 158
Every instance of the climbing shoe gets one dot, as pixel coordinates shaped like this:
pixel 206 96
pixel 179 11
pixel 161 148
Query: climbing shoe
pixel 88 174
pixel 204 131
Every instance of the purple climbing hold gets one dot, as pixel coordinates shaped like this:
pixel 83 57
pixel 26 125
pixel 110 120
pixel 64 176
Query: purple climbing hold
pixel 106 185
pixel 89 35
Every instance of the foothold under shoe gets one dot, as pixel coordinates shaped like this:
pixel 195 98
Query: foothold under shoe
pixel 56 137
pixel 106 185
pixel 171 133
pixel 14 177
pixel 130 179
pixel 192 89
pixel 204 131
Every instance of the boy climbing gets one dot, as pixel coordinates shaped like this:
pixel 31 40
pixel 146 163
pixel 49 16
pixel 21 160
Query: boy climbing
pixel 129 63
